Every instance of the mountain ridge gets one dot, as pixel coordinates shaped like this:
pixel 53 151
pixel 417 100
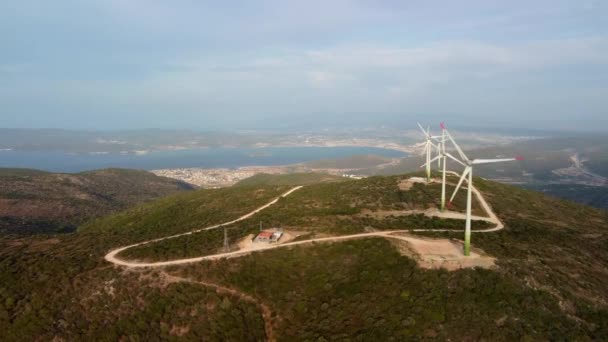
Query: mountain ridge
pixel 33 201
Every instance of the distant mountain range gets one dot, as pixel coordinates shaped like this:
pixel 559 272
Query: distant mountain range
pixel 76 141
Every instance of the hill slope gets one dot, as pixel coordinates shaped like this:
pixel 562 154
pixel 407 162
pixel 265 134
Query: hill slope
pixel 549 283
pixel 33 201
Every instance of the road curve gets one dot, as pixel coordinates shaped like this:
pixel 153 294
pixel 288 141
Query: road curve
pixel 111 256
pixel 492 218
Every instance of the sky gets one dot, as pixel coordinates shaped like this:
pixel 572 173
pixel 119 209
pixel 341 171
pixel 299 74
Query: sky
pixel 129 64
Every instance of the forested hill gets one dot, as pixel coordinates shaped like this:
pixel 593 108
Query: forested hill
pixel 34 201
pixel 549 282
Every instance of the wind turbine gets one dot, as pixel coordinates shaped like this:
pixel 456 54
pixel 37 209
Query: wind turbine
pixel 428 149
pixel 442 159
pixel 468 172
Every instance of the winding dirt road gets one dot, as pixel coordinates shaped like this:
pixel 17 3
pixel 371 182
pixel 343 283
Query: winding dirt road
pixel 112 255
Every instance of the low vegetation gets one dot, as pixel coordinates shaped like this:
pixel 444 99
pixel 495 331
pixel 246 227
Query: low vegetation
pixel 182 213
pixel 48 280
pixel 364 290
pixel 67 301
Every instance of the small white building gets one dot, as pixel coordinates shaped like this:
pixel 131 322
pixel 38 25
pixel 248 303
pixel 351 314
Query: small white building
pixel 268 236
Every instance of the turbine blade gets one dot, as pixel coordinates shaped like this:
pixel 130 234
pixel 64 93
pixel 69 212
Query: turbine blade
pixel 458 149
pixel 464 175
pixel 431 161
pixel 489 161
pixel 422 129
pixel 455 159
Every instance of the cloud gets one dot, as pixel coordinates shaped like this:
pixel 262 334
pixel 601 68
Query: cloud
pixel 372 66
pixel 208 61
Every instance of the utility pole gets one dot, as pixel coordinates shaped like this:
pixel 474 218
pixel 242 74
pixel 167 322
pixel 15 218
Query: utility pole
pixel 225 240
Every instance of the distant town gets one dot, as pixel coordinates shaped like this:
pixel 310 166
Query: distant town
pixel 222 177
pixel 216 178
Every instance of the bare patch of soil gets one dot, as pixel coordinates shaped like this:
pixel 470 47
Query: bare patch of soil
pixel 441 253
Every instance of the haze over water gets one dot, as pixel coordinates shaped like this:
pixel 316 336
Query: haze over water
pixel 220 157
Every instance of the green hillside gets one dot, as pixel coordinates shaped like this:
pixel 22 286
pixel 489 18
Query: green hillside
pixel 347 207
pixel 549 283
pixel 364 290
pixel 33 201
pixel 181 213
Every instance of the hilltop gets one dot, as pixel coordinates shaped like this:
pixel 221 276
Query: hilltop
pixel 34 201
pixel 548 282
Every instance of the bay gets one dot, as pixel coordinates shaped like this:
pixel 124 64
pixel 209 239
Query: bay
pixel 217 157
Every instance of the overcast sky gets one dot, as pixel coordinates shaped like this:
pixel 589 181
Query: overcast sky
pixel 123 64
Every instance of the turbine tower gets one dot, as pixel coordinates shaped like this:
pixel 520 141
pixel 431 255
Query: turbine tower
pixel 428 149
pixel 468 172
pixel 443 154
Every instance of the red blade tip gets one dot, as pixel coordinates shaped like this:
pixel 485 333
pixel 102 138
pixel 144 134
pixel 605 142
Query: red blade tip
pixel 519 158
pixel 442 125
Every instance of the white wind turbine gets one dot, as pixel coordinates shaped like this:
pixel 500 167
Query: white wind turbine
pixel 468 172
pixel 428 149
pixel 442 159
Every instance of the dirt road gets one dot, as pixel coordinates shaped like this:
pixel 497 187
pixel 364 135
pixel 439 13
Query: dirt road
pixel 266 312
pixel 111 256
